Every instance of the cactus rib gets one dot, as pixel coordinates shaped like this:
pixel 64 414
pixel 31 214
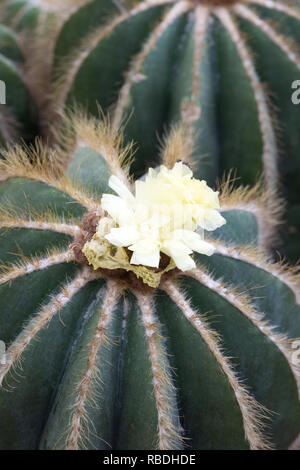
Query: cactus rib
pixel 65 9
pixel 91 374
pixel 169 434
pixel 252 412
pixel 249 254
pixel 20 13
pixel 41 167
pixel 27 266
pixel 42 318
pixel 279 6
pixel 266 121
pixel 47 221
pixel 70 65
pixel 264 203
pixel 192 111
pixel 201 19
pixel 133 74
pixel 102 138
pixel 175 147
pixel 288 46
pixel 241 301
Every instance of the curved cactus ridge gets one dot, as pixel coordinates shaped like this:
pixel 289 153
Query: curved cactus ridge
pixel 25 14
pixel 18 114
pixel 26 21
pixel 96 359
pixel 225 67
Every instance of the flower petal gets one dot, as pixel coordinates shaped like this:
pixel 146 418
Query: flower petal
pixel 194 241
pixel 123 236
pixel 184 263
pixel 144 246
pixel 211 220
pixel 179 252
pixel 116 185
pixel 202 247
pixel 146 259
pixel 118 209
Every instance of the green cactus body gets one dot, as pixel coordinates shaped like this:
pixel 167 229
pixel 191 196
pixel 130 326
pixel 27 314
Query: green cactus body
pixel 108 362
pixel 21 14
pixel 191 61
pixel 24 15
pixel 23 63
pixel 18 115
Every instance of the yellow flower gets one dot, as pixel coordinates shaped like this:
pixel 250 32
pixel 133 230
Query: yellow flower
pixel 168 214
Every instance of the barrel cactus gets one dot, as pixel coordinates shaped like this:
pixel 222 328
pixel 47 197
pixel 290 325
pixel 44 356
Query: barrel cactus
pixel 26 14
pixel 169 351
pixel 227 67
pixel 22 22
pixel 18 112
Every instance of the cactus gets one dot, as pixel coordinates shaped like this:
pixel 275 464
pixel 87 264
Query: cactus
pixel 22 64
pixel 26 14
pixel 198 49
pixel 22 14
pixel 18 113
pixel 111 354
pixel 203 360
pixel 204 61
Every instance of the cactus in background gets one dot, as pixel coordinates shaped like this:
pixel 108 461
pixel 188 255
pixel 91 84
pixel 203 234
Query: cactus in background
pixel 107 360
pixel 23 14
pixel 26 14
pixel 190 60
pixel 26 61
pixel 18 113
